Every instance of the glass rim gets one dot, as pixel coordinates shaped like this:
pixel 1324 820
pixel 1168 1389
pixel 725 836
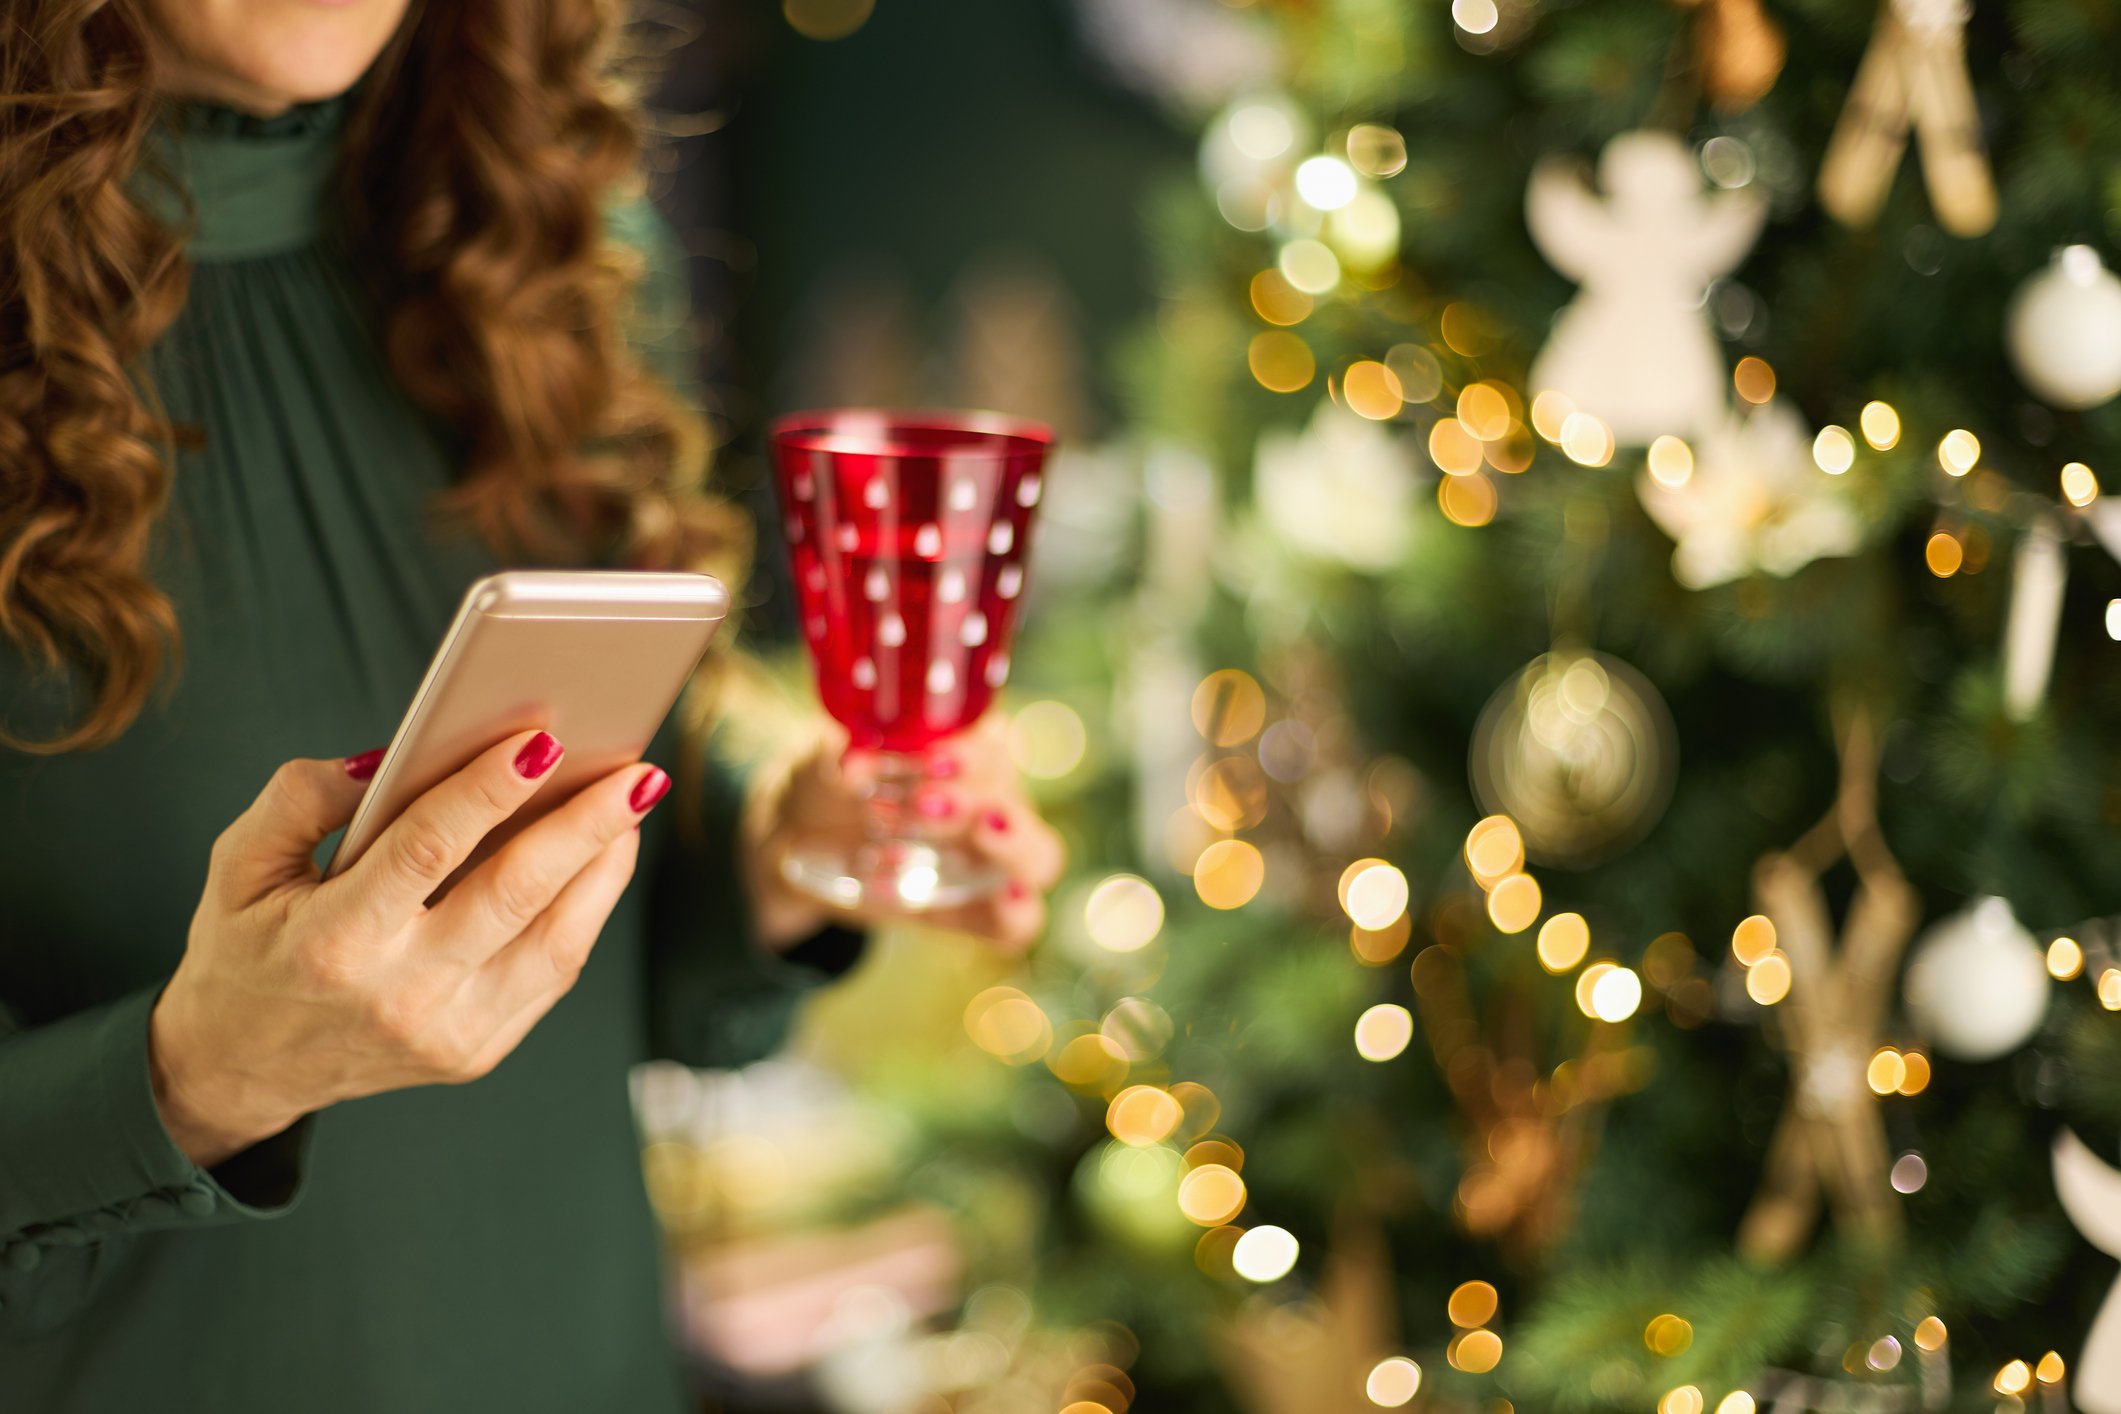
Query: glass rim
pixel 825 430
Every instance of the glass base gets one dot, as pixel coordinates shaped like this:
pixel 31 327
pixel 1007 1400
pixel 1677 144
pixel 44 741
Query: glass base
pixel 904 876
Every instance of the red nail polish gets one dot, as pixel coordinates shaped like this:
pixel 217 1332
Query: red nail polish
pixel 363 766
pixel 539 755
pixel 935 805
pixel 996 821
pixel 1016 891
pixel 943 768
pixel 650 788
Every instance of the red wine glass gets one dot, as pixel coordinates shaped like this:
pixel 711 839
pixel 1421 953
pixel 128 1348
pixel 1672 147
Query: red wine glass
pixel 908 533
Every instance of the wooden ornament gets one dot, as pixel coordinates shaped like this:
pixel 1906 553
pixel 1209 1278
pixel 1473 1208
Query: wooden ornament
pixel 1913 76
pixel 1830 1142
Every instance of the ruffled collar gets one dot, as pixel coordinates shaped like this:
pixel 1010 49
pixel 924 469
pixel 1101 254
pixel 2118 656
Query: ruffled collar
pixel 241 186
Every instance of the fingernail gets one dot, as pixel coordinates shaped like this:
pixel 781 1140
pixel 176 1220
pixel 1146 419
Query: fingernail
pixel 363 766
pixel 935 805
pixel 943 768
pixel 539 755
pixel 996 821
pixel 653 785
pixel 1016 891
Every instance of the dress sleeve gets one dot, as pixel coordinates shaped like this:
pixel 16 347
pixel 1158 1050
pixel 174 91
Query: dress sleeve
pixel 86 1164
pixel 717 996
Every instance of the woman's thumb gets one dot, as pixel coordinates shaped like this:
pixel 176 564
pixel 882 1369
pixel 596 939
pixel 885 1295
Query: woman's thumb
pixel 305 800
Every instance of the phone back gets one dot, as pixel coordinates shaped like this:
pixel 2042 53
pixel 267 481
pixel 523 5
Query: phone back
pixel 595 657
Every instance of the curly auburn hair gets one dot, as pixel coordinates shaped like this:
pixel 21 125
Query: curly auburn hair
pixel 477 163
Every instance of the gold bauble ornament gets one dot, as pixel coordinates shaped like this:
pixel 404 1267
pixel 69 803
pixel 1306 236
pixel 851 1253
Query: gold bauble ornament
pixel 1580 751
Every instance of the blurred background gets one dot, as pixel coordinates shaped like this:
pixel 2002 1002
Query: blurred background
pixel 1572 639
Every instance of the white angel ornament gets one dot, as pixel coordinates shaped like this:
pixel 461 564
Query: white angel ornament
pixel 1633 348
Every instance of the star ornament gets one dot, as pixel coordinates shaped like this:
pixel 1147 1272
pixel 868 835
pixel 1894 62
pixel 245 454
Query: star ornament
pixel 1754 502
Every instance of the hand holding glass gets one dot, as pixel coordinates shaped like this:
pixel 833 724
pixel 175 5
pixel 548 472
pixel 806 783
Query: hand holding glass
pixel 908 533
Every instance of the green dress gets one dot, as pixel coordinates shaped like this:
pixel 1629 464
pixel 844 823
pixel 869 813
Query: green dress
pixel 460 1249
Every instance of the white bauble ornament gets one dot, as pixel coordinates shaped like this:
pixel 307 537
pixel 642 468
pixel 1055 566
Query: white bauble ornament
pixel 1634 348
pixel 1978 985
pixel 2064 330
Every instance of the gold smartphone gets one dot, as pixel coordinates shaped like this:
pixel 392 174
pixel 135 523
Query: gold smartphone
pixel 596 657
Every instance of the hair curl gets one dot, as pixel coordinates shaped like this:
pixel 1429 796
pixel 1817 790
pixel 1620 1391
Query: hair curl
pixel 478 164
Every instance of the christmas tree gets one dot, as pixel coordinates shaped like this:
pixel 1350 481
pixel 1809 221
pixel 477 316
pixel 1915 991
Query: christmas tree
pixel 1578 699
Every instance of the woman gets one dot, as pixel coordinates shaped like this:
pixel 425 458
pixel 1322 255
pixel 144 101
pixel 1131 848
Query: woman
pixel 278 278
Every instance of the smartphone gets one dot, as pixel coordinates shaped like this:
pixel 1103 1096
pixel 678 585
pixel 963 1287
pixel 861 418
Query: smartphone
pixel 596 657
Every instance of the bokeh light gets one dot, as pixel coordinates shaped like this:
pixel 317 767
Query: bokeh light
pixel 1916 1072
pixel 1371 390
pixel 1753 380
pixel 1483 411
pixel 1373 893
pixel 1374 947
pixel 1047 740
pixel 1671 462
pixel 1957 451
pixel 1753 939
pixel 1886 1072
pixel 1311 266
pixel 1325 183
pixel 1909 1173
pixel 1513 904
pixel 1280 361
pixel 1768 982
pixel 1141 1115
pixel 1211 1195
pixel 1139 1029
pixel 2051 1369
pixel 2065 959
pixel 1472 1303
pixel 1943 554
pixel 2014 1378
pixel 1833 450
pixel 1475 1352
pixel 1616 995
pixel 1550 413
pixel 1277 301
pixel 1494 850
pixel 2110 989
pixel 1229 873
pixel 1376 150
pixel 1563 941
pixel 1229 708
pixel 1586 440
pixel 1008 1025
pixel 1686 1399
pixel 1587 983
pixel 1124 913
pixel 1667 1335
pixel 1393 1382
pixel 1264 1254
pixel 1089 1061
pixel 1469 501
pixel 2079 486
pixel 1736 1402
pixel 1930 1334
pixel 1454 449
pixel 1383 1031
pixel 1881 426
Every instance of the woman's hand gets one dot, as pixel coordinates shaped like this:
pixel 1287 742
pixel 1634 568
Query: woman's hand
pixel 971 794
pixel 294 994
